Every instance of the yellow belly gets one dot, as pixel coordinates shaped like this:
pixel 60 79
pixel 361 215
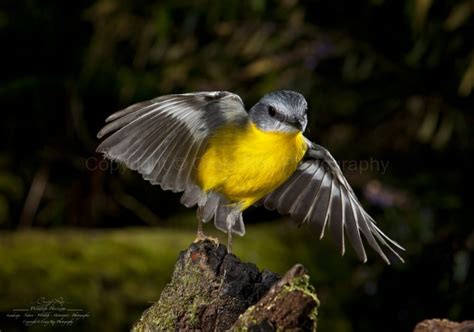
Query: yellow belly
pixel 245 163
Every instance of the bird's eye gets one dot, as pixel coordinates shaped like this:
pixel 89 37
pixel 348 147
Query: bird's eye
pixel 272 111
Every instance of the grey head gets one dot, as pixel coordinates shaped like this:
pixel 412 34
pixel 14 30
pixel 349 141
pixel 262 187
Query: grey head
pixel 282 111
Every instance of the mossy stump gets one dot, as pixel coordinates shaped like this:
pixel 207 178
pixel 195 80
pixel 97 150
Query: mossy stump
pixel 212 290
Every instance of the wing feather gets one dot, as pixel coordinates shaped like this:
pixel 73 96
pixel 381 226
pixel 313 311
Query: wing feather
pixel 319 194
pixel 151 140
pixel 303 205
pixel 287 198
pixel 352 230
pixel 163 138
pixel 336 216
pixel 320 207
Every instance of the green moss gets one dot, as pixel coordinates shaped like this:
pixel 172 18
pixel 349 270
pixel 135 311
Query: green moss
pixel 302 284
pixel 116 275
pixel 166 313
pixel 112 275
pixel 193 312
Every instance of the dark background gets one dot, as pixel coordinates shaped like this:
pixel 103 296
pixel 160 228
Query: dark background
pixel 386 81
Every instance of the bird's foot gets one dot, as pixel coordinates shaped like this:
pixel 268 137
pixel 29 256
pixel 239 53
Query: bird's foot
pixel 203 237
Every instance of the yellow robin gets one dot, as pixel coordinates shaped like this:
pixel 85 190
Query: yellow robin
pixel 224 159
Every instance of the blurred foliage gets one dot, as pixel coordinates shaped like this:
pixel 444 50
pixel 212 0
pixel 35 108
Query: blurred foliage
pixel 385 80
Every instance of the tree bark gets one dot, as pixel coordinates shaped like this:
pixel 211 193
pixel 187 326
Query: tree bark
pixel 212 290
pixel 444 325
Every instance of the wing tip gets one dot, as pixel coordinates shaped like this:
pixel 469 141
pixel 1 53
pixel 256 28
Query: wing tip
pixel 101 149
pixel 112 117
pixel 393 253
pixel 104 131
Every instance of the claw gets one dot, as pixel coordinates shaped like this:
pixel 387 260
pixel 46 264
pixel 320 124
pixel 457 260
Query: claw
pixel 203 237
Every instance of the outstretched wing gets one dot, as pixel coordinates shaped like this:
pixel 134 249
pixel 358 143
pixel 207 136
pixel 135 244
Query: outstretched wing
pixel 163 138
pixel 319 194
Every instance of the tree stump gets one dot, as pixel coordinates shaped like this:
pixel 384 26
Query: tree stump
pixel 212 290
pixel 444 325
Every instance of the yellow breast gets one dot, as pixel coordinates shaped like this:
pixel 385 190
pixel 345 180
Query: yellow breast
pixel 245 163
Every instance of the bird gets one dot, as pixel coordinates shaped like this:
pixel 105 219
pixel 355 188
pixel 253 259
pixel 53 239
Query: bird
pixel 225 159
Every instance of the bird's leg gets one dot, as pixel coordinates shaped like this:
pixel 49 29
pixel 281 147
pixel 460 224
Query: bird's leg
pixel 234 221
pixel 200 234
pixel 229 240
